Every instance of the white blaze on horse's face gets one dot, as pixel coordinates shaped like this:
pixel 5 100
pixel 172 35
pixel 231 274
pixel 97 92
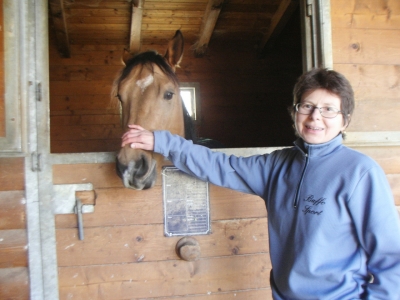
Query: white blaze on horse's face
pixel 145 82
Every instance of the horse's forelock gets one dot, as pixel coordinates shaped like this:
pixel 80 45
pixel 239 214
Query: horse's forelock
pixel 148 58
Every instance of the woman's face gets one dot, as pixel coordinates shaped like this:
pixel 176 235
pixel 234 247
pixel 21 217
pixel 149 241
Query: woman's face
pixel 314 128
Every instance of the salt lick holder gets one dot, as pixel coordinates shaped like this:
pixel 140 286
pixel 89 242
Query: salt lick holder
pixel 74 199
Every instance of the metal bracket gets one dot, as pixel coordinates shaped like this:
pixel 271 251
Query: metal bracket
pixel 35 162
pixel 66 202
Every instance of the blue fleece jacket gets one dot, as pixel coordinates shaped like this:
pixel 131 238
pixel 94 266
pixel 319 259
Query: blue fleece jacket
pixel 331 217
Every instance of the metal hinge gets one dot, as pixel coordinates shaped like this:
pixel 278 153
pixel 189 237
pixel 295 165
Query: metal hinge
pixel 39 92
pixel 309 10
pixel 35 162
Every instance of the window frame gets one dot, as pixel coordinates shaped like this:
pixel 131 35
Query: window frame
pixel 196 87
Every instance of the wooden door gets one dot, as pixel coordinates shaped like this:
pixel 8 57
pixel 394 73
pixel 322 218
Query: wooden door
pixel 125 255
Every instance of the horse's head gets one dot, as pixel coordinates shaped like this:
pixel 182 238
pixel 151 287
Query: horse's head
pixel 148 91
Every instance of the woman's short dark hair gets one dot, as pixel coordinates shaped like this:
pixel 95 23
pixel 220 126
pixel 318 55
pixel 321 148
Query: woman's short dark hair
pixel 329 80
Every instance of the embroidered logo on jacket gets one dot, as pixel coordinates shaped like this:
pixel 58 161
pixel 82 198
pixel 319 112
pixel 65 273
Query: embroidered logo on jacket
pixel 313 206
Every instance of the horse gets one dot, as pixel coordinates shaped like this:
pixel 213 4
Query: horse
pixel 148 91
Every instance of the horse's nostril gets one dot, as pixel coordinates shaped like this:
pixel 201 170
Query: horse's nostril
pixel 141 167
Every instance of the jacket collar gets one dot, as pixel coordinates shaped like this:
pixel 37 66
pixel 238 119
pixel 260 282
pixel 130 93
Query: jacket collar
pixel 314 150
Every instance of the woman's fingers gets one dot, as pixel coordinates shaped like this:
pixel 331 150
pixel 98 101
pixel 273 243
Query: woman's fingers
pixel 138 137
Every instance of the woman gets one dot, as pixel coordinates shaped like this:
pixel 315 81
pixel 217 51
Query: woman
pixel 334 232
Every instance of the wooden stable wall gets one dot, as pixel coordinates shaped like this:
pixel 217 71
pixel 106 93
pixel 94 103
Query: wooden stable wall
pixel 366 49
pixel 2 102
pixel 13 238
pixel 244 99
pixel 125 254
pixel 13 241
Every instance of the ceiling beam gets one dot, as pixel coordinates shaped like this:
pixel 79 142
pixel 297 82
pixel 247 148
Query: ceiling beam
pixel 136 26
pixel 278 22
pixel 57 15
pixel 211 15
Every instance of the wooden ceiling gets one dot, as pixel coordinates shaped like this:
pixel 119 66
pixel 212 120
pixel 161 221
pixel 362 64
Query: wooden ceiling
pixel 136 22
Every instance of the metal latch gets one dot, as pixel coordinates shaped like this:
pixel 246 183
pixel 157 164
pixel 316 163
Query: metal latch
pixel 74 199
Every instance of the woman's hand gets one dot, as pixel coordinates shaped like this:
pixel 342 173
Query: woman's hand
pixel 138 137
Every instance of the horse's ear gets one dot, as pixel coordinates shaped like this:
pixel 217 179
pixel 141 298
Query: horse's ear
pixel 126 55
pixel 175 50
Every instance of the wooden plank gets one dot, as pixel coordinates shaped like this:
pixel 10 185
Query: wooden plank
pixel 13 248
pixel 113 4
pixel 387 157
pixel 85 146
pixel 97 12
pixel 12 174
pixel 86 132
pixel 14 283
pixel 101 58
pixel 264 293
pixel 72 73
pixel 210 18
pixel 138 243
pixel 97 29
pixel 88 36
pixel 99 20
pixel 95 48
pixel 366 46
pixel 84 112
pixel 168 27
pixel 158 279
pixel 2 83
pixel 74 120
pixel 382 117
pixel 372 81
pixel 177 22
pixel 278 22
pixel 12 212
pixel 62 88
pixel 160 38
pixel 84 104
pixel 374 15
pixel 100 175
pixel 164 13
pixel 57 14
pixel 182 6
pixel 135 37
pixel 394 181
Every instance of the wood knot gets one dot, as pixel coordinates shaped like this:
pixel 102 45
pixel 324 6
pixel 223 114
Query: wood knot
pixel 188 249
pixel 355 46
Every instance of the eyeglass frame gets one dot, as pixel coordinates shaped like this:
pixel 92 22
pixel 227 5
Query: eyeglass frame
pixel 296 108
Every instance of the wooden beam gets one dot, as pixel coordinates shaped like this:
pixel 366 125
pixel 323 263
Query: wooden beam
pixel 278 22
pixel 211 15
pixel 57 14
pixel 136 26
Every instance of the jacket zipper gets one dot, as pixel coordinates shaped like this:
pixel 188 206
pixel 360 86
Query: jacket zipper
pixel 296 198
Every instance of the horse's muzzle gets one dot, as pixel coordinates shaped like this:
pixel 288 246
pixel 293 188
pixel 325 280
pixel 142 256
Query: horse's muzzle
pixel 138 175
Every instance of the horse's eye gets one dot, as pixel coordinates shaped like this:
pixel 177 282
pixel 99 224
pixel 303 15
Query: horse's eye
pixel 168 95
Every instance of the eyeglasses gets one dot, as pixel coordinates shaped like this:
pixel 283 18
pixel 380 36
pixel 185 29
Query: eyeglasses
pixel 308 109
